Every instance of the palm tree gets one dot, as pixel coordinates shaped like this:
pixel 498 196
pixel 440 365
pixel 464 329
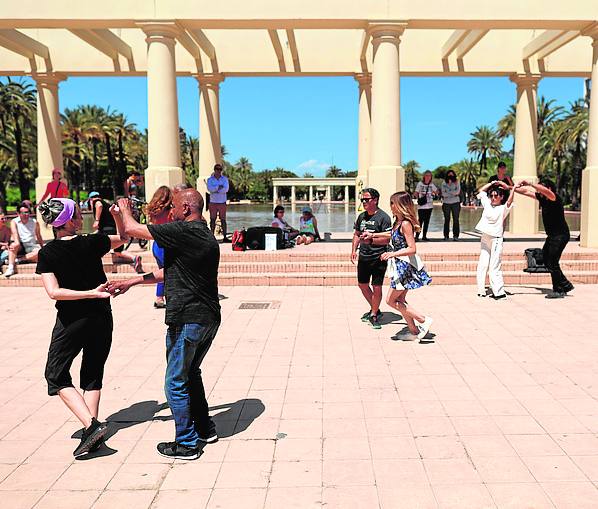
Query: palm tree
pixel 547 113
pixel 125 132
pixel 506 125
pixel 467 171
pixel 334 172
pixel 73 140
pixel 241 176
pixel 485 142
pixel 17 113
pixel 577 123
pixel 411 175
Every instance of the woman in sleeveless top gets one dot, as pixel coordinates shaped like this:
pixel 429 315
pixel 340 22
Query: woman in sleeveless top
pixel 158 211
pixel 308 226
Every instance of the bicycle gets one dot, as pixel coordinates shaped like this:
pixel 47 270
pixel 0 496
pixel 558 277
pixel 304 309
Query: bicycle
pixel 137 209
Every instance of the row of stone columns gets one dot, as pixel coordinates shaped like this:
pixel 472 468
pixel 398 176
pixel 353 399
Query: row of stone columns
pixel 379 136
pixel 328 197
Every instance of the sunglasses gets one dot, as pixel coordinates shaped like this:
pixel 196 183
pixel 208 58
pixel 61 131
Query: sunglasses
pixel 495 195
pixel 365 200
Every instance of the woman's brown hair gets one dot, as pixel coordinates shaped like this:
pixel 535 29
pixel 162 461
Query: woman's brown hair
pixel 160 202
pixel 404 204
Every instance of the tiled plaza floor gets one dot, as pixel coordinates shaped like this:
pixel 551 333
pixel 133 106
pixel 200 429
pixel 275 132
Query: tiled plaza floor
pixel 316 409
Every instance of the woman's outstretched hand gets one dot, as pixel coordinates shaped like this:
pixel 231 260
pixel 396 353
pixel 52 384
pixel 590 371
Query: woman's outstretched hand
pixel 386 256
pixel 100 292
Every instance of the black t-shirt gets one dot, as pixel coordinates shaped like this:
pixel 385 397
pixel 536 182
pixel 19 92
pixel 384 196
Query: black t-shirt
pixel 106 224
pixel 376 223
pixel 77 265
pixel 191 258
pixel 553 215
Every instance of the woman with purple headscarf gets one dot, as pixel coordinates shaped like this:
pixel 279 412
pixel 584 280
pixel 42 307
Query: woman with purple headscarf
pixel 73 275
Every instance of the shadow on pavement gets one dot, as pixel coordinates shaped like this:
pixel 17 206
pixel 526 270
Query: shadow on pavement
pixel 389 317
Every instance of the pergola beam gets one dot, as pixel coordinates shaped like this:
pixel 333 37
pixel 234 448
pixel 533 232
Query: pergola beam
pixel 540 42
pixel 206 46
pixel 277 49
pixel 294 50
pixel 22 44
pixel 565 38
pixel 97 42
pixel 453 41
pixel 115 42
pixel 469 41
pixel 192 48
pixel 365 42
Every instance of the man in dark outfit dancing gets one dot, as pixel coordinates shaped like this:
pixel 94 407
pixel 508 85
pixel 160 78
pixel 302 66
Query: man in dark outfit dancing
pixel 191 258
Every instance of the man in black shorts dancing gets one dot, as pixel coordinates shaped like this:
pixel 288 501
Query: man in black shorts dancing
pixel 369 266
pixel 191 258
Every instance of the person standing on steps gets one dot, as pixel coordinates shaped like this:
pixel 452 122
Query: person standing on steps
pixel 370 268
pixel 502 176
pixel 56 188
pixel 72 274
pixel 191 258
pixel 557 232
pixel 451 203
pixel 218 187
pixel 424 193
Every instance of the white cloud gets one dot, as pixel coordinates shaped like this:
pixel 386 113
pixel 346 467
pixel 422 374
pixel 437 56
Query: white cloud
pixel 313 164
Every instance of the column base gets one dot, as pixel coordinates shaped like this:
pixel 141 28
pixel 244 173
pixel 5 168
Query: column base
pixel 525 214
pixel 386 180
pixel 161 176
pixel 589 207
pixel 40 188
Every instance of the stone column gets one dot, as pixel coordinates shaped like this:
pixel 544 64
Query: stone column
pixel 363 150
pixel 163 151
pixel 293 197
pixel 385 173
pixel 210 152
pixel 346 197
pixel 524 217
pixel 328 194
pixel 275 195
pixel 311 194
pixel 589 181
pixel 49 136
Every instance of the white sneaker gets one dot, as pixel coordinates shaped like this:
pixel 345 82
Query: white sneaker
pixel 424 327
pixel 9 271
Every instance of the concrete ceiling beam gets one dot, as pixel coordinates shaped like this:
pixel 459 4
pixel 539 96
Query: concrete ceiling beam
pixel 294 51
pixel 277 49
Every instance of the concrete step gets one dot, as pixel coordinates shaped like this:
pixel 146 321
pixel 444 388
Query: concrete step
pixel 331 267
pixel 338 278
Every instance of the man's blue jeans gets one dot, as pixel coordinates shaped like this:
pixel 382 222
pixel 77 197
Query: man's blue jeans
pixel 186 347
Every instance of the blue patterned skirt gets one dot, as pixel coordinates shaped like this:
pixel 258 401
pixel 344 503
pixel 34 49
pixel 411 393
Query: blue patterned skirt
pixel 407 277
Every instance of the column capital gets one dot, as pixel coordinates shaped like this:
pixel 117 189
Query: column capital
pixel 592 31
pixel 387 32
pixel 364 79
pixel 525 80
pixel 209 79
pixel 48 79
pixel 157 30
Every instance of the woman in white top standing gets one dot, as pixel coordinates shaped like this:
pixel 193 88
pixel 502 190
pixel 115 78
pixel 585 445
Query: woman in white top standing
pixel 491 226
pixel 424 192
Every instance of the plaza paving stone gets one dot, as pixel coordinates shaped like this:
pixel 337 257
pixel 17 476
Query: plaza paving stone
pixel 316 409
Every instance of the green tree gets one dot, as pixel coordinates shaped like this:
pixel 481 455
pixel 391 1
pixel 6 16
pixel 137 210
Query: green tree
pixel 484 142
pixel 412 175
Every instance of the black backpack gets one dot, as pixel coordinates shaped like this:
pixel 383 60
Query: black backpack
pixel 535 261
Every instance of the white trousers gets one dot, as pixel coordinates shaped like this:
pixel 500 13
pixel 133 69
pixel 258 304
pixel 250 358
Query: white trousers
pixel 490 262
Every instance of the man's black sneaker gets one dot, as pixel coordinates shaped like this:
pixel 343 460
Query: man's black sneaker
pixel 177 451
pixel 91 437
pixel 209 435
pixel 366 316
pixel 555 295
pixel 568 288
pixel 374 321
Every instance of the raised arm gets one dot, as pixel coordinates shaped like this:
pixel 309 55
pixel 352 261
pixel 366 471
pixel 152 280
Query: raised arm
pixel 122 237
pixel 530 189
pixel 131 227
pixel 97 213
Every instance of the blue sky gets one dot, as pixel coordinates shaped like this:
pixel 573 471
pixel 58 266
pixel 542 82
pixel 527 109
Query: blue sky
pixel 306 124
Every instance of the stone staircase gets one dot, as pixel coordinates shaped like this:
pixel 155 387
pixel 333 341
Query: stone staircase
pixel 297 267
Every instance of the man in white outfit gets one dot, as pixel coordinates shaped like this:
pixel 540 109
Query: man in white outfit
pixel 218 187
pixel 491 226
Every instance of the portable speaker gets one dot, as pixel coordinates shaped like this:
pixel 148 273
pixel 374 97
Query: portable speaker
pixel 255 237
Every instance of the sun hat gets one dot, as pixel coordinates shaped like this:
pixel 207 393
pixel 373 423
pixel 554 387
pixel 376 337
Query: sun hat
pixel 93 194
pixel 306 209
